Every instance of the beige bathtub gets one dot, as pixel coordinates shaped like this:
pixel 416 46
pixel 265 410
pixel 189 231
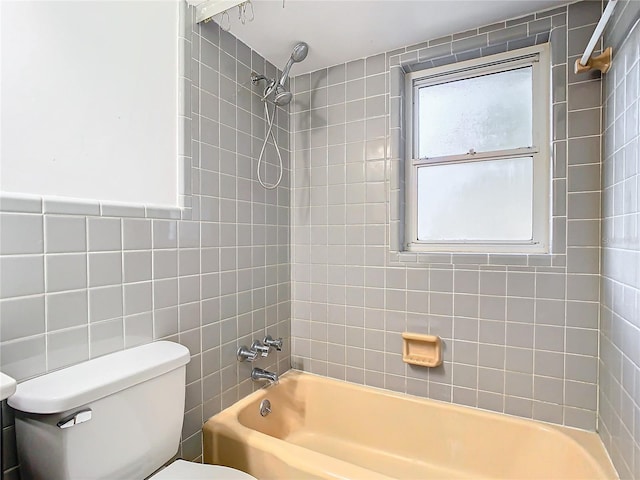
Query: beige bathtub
pixel 323 428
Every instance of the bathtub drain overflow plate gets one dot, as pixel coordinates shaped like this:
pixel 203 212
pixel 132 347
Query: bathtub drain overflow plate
pixel 265 407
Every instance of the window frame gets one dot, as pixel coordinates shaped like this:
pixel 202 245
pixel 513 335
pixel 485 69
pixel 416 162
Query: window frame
pixel 538 58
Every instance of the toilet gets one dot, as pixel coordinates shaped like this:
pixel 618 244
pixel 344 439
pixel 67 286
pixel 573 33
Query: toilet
pixel 114 417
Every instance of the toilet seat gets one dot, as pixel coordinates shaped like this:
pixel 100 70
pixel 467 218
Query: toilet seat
pixel 183 470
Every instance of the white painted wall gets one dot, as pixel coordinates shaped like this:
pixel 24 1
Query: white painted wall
pixel 89 99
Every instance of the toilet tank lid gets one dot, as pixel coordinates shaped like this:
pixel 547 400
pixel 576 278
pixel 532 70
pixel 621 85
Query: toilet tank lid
pixel 86 382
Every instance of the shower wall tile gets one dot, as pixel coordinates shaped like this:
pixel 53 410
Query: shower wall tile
pixel 81 279
pixel 619 366
pixel 519 331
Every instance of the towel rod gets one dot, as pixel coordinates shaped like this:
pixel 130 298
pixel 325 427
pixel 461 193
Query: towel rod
pixel 600 62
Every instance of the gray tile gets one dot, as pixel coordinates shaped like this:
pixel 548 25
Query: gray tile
pixel 518 384
pixel 71 207
pixel 137 298
pixel 549 364
pixel 66 272
pixel 21 275
pixel 20 234
pixel 549 338
pixel 469 43
pixel 548 389
pixel 584 178
pixel 120 210
pixel 583 287
pixel 104 234
pixel 165 293
pixel 105 269
pixel 550 312
pixel 21 317
pixel 106 337
pixel 560 121
pixel 584 150
pixel 165 234
pixel 582 314
pixel 355 69
pixel 137 266
pixel 492 27
pixel 559 46
pixel 16 203
pixel 582 341
pixel 67 309
pixel 335 75
pixel 581 395
pixel 138 329
pixel 584 13
pixel 65 234
pixel 519 335
pixel 547 412
pixel 584 95
pixel 105 303
pixel 511 33
pixel 136 234
pixel 24 358
pixel 578 39
pixel 520 284
pixel 550 286
pixel 165 263
pixel 67 347
pixel 375 64
pixel 559 83
pixel 582 123
pixel 582 368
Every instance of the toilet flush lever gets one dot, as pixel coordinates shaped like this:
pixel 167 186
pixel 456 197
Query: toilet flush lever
pixel 75 418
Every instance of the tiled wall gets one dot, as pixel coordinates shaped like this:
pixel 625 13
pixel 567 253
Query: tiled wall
pixel 520 332
pixel 619 416
pixel 79 280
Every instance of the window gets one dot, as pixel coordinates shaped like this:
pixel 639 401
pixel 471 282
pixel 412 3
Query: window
pixel 478 155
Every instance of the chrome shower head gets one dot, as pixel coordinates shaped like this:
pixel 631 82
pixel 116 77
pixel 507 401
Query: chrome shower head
pixel 282 97
pixel 298 54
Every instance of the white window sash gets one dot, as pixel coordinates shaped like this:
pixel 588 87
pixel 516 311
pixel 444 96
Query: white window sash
pixel 538 58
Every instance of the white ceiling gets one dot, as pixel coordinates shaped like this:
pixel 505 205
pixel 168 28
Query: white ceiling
pixel 338 31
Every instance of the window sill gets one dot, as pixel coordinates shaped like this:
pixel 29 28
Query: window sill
pixel 479 248
pixel 409 258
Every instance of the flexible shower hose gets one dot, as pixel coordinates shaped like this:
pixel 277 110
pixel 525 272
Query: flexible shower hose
pixel 270 120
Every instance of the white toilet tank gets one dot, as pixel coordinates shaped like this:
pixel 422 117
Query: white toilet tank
pixel 114 417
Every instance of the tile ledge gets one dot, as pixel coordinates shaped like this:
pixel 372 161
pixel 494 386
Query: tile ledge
pixel 513 260
pixel 11 202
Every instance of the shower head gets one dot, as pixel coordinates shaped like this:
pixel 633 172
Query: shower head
pixel 298 54
pixel 283 97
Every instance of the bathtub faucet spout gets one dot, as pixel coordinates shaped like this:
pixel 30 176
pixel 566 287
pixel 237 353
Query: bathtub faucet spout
pixel 258 374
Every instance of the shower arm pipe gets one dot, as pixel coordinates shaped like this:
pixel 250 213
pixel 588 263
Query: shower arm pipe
pixel 601 62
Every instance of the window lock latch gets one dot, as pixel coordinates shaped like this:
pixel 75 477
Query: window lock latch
pixel 471 152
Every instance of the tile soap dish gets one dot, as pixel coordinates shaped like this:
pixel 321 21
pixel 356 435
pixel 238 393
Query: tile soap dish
pixel 423 350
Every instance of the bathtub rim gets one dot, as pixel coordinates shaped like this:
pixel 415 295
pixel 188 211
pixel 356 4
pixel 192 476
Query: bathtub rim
pixel 587 441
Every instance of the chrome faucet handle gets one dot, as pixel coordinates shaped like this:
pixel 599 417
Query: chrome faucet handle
pixel 263 350
pixel 245 354
pixel 270 342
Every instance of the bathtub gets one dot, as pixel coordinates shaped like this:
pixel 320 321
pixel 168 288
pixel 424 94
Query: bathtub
pixel 324 428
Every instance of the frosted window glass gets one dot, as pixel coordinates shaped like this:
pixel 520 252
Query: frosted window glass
pixel 491 112
pixel 485 201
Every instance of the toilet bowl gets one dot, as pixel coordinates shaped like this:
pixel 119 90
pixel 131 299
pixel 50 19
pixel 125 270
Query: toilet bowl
pixel 182 470
pixel 114 417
